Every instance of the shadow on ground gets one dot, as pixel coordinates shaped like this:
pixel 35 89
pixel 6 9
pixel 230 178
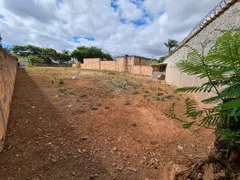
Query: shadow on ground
pixel 40 144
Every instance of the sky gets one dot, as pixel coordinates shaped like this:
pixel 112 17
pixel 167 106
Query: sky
pixel 118 27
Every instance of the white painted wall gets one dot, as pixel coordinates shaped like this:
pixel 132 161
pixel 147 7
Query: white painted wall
pixel 228 20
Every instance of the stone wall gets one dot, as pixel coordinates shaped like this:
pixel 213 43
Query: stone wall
pixel 226 21
pixel 8 69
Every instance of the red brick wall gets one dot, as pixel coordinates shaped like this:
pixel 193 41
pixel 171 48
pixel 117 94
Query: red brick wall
pixel 8 68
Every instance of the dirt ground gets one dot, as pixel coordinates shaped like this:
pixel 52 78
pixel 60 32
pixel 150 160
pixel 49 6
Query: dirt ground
pixel 95 125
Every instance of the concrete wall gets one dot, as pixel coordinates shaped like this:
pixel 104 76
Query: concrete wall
pixel 226 21
pixel 134 64
pixel 8 68
pixel 91 63
pixel 145 70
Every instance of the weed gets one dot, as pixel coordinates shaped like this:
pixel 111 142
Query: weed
pixel 169 96
pixel 146 91
pixel 61 81
pixel 78 100
pixel 110 89
pixel 54 76
pixel 145 96
pixel 82 95
pixel 26 70
pixel 149 81
pixel 157 98
pixel 159 94
pixel 70 91
pixel 135 92
pixel 66 89
pixel 106 106
pixel 134 124
pixel 127 102
pixel 160 89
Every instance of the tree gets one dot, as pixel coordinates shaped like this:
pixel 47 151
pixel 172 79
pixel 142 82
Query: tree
pixel 222 69
pixel 171 44
pixel 48 55
pixel 32 59
pixel 89 52
pixel 64 57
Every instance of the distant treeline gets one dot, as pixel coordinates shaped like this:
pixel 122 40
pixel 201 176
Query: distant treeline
pixel 36 54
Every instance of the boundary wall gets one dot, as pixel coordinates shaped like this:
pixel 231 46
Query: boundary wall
pixel 8 70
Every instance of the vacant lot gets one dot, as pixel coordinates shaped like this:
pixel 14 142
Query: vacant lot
pixel 78 124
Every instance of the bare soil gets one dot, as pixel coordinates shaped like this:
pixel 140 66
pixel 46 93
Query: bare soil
pixel 97 125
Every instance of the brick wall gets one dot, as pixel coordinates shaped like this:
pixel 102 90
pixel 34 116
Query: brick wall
pixel 134 64
pixel 145 70
pixel 91 63
pixel 8 68
pixel 109 65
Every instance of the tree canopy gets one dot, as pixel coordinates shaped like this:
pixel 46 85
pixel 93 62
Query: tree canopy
pixel 49 55
pixel 41 55
pixel 89 52
pixel 171 44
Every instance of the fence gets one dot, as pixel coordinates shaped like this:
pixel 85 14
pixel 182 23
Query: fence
pixel 8 69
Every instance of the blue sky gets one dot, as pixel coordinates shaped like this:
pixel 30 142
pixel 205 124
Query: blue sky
pixel 118 27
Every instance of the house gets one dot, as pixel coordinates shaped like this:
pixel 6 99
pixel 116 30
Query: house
pixel 22 61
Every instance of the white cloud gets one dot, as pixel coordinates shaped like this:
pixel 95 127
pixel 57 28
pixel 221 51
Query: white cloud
pixel 154 7
pixel 129 10
pixel 47 23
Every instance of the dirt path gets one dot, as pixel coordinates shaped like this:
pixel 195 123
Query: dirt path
pixel 55 133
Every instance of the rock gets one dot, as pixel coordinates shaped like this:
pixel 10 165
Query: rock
pixel 93 176
pixel 132 169
pixel 69 106
pixel 199 176
pixel 193 146
pixel 84 138
pixel 180 148
pixel 115 149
